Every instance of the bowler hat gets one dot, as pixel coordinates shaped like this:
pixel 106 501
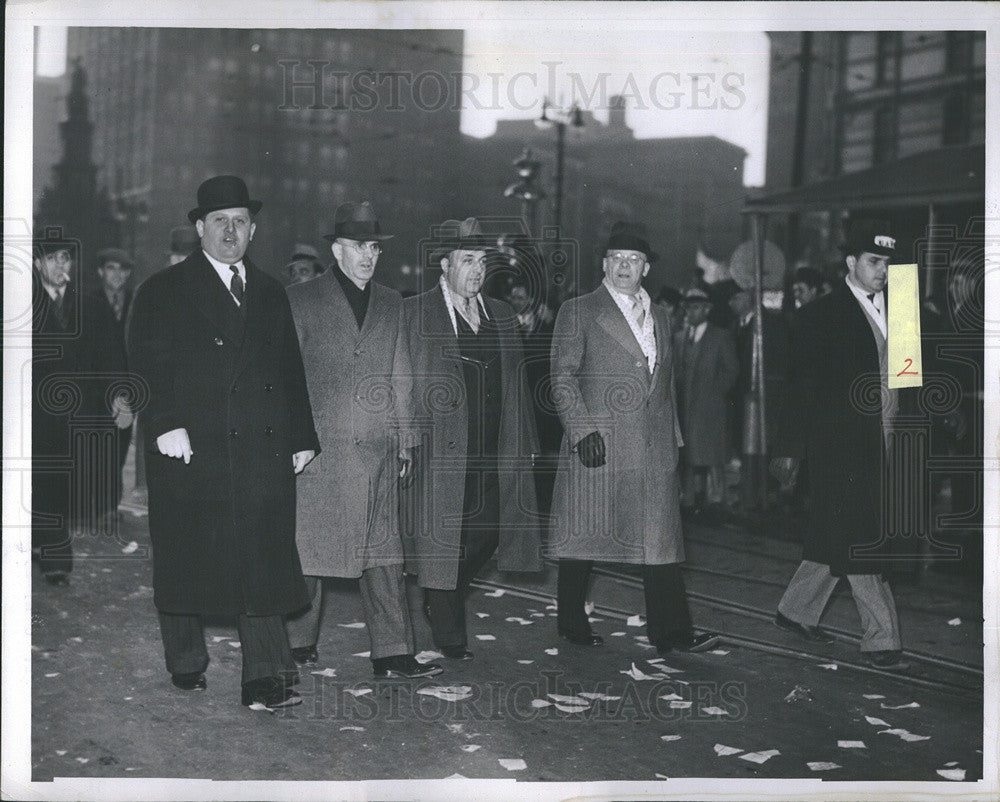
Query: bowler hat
pixel 356 221
pixel 183 240
pixel 114 255
pixel 869 235
pixel 630 237
pixel 223 192
pixel 453 235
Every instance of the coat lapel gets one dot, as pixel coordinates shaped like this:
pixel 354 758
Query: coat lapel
pixel 613 322
pixel 373 317
pixel 340 306
pixel 211 298
pixel 662 345
pixel 257 317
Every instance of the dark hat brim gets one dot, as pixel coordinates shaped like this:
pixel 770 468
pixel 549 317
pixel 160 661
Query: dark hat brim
pixel 197 213
pixel 372 238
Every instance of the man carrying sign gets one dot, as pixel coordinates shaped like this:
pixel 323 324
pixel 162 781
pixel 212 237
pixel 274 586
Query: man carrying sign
pixel 840 411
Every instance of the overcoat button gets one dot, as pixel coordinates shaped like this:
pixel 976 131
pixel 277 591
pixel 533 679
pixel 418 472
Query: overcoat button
pixel 234 389
pixel 268 430
pixel 451 444
pixel 232 433
pixel 357 352
pixel 357 441
pixel 638 364
pixel 218 341
pixel 268 387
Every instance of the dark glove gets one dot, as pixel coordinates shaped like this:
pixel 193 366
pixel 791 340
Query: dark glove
pixel 591 450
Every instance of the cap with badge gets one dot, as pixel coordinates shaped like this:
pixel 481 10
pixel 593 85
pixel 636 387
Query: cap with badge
pixel 870 235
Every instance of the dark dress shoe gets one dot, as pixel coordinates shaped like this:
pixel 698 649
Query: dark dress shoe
pixel 694 643
pixel 272 692
pixel 456 653
pixel 814 634
pixel 305 655
pixel 193 681
pixel 887 660
pixel 404 666
pixel 57 579
pixel 589 639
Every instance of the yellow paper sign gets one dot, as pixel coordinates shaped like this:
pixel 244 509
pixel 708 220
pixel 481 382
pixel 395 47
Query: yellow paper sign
pixel 905 365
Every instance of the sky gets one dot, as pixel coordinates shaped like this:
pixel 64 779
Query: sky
pixel 674 84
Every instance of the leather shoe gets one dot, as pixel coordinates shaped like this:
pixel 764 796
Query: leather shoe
pixel 814 634
pixel 193 681
pixel 404 666
pixel 272 692
pixel 305 655
pixel 589 639
pixel 887 660
pixel 456 653
pixel 693 643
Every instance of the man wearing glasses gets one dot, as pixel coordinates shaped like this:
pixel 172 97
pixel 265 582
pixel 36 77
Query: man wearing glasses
pixel 347 522
pixel 616 496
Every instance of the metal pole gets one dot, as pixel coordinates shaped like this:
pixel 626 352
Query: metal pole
pixel 758 350
pixel 560 146
pixel 928 258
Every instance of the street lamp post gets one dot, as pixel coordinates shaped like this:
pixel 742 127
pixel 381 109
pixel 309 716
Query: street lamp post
pixel 525 188
pixel 560 119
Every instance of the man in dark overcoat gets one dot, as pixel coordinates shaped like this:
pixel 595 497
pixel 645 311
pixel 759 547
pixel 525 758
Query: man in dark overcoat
pixel 228 427
pixel 359 386
pixel 616 496
pixel 839 417
pixel 707 370
pixel 474 492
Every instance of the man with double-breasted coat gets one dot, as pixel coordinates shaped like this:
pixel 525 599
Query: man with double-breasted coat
pixel 474 492
pixel 359 384
pixel 228 426
pixel 616 495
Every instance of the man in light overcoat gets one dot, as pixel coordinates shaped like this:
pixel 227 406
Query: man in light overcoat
pixel 617 492
pixel 359 385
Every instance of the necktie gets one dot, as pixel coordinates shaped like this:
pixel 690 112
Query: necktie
pixel 638 312
pixel 236 285
pixel 871 298
pixel 470 313
pixel 691 335
pixel 60 307
pixel 118 305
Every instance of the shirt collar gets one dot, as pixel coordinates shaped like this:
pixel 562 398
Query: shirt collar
pixel 625 301
pixel 450 305
pixel 862 295
pixel 224 270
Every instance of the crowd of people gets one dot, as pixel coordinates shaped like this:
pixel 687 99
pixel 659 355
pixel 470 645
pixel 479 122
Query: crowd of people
pixel 334 428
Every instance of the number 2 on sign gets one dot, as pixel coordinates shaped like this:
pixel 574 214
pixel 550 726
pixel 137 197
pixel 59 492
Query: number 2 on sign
pixel 906 370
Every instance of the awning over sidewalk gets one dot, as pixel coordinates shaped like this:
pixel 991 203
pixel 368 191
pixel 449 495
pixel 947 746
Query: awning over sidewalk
pixel 946 175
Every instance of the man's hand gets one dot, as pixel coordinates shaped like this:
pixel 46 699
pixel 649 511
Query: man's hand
pixel 407 467
pixel 591 450
pixel 176 444
pixel 300 459
pixel 123 415
pixel 785 470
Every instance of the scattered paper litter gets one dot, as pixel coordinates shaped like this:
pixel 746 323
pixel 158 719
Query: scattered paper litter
pixel 721 750
pixel 235 644
pixel 105 570
pixel 670 737
pixel 132 546
pixel 639 674
pixel 77 639
pixel 660 776
pixel 570 700
pixel 570 708
pixel 851 744
pixel 680 705
pixel 952 774
pixel 551 607
pixel 541 703
pixel 877 721
pixel 828 666
pixel 905 735
pixel 667 697
pixel 352 729
pixel 495 594
pixel 353 625
pixel 601 697
pixel 798 694
pixel 951 763
pixel 553 651
pixel 52 674
pixel 355 692
pixel 485 637
pixel 714 711
pixel 641 638
pixel 873 696
pixel 954 622
pixel 455 727
pixel 617 634
pixel 635 621
pixel 87 760
pixel 470 747
pixel 219 638
pixel 538 615
pixel 594 619
pixel 588 608
pixel 722 652
pixel 526 662
pixel 513 763
pixel 62 752
pixel 259 706
pixel 483 615
pixel 362 654
pixel 760 757
pixel 899 707
pixel 518 620
pixel 456 776
pixel 326 672
pixel 427 655
pixel 449 693
pixel 822 765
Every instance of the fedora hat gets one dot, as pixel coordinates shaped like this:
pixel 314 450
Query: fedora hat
pixel 223 192
pixel 453 235
pixel 114 255
pixel 356 221
pixel 630 237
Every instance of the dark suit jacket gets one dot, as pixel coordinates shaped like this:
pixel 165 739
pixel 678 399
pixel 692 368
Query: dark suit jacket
pixel 223 527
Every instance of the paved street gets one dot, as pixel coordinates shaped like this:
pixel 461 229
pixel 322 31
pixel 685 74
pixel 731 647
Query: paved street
pixel 529 707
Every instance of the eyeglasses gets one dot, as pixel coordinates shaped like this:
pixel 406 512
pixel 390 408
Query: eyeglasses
pixel 360 247
pixel 634 259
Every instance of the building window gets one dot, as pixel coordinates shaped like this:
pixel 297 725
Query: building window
pixel 923 54
pixel 885 135
pixel 957 51
pixel 953 126
pixel 977 117
pixel 978 49
pixel 857 141
pixel 919 127
pixel 885 58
